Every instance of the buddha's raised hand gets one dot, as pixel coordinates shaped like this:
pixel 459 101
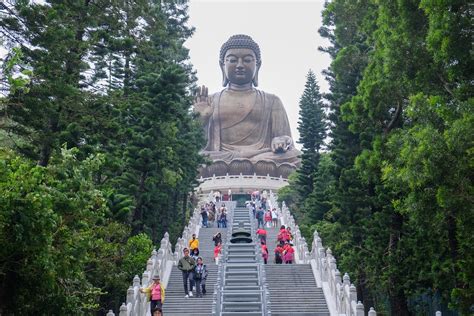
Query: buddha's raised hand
pixel 202 104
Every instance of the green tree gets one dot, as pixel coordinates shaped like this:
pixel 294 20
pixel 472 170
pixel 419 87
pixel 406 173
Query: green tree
pixel 312 128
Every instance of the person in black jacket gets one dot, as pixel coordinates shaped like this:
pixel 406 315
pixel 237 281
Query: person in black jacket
pixel 217 239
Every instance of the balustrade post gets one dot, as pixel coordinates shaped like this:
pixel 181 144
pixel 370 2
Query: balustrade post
pixel 360 309
pixel 110 313
pixel 123 310
pixel 372 312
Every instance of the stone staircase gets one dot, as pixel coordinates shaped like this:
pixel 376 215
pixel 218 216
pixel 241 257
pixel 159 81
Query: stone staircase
pixel 293 291
pixel 175 303
pixel 206 245
pixel 242 289
pixel 272 234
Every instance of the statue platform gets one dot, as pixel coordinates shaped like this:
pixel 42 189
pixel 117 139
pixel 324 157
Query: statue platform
pixel 241 183
pixel 243 175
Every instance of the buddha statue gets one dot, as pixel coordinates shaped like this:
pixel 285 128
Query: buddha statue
pixel 242 122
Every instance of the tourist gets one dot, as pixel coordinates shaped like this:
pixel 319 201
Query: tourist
pixel 290 235
pixel 288 253
pixel 211 215
pixel 268 218
pixel 264 251
pixel 193 243
pixel 230 194
pixel 217 239
pixel 195 254
pixel 259 216
pixel 218 218
pixel 217 252
pixel 186 264
pixel 155 294
pixel 278 254
pixel 262 234
pixel 204 216
pixel 274 218
pixel 282 236
pixel 224 219
pixel 157 312
pixel 200 275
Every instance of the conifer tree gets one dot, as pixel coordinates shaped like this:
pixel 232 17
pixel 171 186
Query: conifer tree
pixel 312 128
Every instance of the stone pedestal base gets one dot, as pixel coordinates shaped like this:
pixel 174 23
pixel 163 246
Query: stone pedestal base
pixel 241 183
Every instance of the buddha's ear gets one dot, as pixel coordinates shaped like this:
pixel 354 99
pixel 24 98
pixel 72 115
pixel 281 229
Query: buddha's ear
pixel 225 80
pixel 255 78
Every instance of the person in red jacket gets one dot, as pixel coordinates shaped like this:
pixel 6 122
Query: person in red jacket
pixel 283 235
pixel 262 234
pixel 288 253
pixel 279 254
pixel 264 252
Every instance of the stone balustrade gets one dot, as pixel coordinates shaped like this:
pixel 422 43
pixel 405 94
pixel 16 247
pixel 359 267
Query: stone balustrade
pixel 340 293
pixel 160 263
pixel 241 182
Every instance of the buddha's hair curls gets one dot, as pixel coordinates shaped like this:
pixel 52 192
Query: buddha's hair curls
pixel 240 41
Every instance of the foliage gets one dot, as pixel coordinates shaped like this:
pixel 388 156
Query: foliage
pixel 393 197
pixel 107 84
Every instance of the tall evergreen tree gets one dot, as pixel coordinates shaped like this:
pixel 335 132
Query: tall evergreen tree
pixel 312 128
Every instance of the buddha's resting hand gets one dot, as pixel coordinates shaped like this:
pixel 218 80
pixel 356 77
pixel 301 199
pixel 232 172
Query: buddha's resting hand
pixel 202 104
pixel 281 144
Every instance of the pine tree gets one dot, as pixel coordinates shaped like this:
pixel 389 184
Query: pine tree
pixel 312 128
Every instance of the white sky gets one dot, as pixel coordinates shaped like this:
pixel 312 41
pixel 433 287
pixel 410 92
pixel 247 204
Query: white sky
pixel 286 31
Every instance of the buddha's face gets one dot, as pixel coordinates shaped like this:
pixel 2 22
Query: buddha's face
pixel 240 65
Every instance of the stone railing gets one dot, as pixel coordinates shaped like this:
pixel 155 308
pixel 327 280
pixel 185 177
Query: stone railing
pixel 340 294
pixel 241 182
pixel 160 263
pixel 192 228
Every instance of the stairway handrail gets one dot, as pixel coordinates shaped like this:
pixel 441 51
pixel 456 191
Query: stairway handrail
pixel 341 295
pixel 160 263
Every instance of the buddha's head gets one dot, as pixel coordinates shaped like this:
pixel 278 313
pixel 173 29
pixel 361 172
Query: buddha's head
pixel 240 60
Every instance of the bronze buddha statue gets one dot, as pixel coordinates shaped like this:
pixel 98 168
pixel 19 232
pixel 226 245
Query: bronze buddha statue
pixel 242 123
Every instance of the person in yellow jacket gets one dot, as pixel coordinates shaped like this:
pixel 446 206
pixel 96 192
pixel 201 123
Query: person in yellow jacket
pixel 194 244
pixel 155 294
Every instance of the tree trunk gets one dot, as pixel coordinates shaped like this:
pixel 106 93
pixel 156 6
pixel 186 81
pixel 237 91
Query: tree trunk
pixel 397 297
pixel 137 222
pixel 183 216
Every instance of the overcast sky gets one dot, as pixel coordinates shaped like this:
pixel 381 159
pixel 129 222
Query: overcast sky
pixel 286 31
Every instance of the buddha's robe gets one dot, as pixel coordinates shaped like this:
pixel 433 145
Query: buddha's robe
pixel 243 124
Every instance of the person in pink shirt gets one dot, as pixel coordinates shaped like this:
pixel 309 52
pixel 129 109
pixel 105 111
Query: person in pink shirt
pixel 268 218
pixel 155 294
pixel 217 251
